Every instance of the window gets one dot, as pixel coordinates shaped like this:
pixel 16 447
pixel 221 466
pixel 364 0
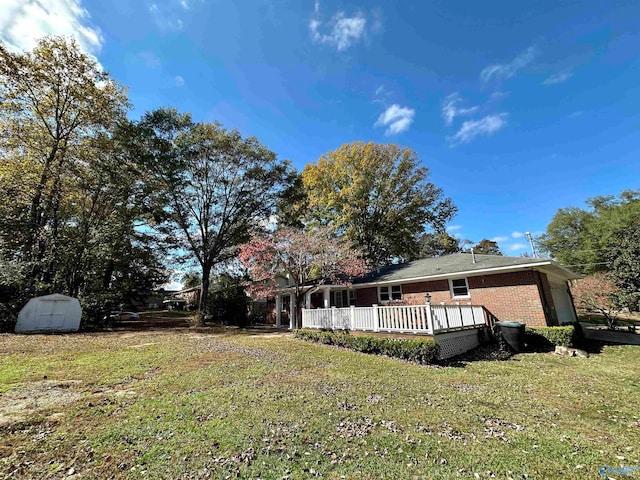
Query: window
pixel 459 287
pixel 343 298
pixel 391 293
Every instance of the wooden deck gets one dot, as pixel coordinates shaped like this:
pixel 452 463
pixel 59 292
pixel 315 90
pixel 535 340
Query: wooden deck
pixel 400 319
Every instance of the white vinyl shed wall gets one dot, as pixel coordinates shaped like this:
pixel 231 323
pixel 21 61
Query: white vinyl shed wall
pixel 51 313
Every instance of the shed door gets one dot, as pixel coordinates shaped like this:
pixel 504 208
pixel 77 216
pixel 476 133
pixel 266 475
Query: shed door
pixel 562 302
pixel 51 314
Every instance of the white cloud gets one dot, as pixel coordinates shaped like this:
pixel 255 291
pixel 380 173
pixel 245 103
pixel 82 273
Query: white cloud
pixel 485 126
pixel 179 81
pixel 499 239
pixel 341 31
pixel 23 22
pixel 165 17
pixel 518 246
pixel 453 228
pixel 557 78
pixel 397 119
pixel 507 70
pixel 184 4
pixel 517 235
pixel 451 109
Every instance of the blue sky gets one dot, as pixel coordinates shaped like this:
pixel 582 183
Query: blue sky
pixel 518 108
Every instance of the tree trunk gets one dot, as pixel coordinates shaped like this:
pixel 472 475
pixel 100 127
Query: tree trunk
pixel 204 294
pixel 299 305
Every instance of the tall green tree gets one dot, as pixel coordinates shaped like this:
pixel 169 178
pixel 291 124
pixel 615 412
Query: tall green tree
pixel 487 247
pixel 624 256
pixel 69 199
pixel 57 108
pixel 211 187
pixel 436 244
pixel 376 196
pixel 583 238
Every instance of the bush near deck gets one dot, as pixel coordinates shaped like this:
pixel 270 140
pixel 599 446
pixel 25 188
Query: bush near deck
pixel 544 337
pixel 419 351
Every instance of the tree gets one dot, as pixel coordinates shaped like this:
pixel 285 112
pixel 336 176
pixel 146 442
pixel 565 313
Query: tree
pixel 191 279
pixel 211 187
pixel 597 293
pixel 438 244
pixel 582 238
pixel 487 247
pixel 294 204
pixel 69 200
pixel 57 108
pixel 624 256
pixel 305 256
pixel 377 197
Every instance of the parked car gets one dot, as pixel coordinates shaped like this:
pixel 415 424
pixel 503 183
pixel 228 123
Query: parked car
pixel 123 316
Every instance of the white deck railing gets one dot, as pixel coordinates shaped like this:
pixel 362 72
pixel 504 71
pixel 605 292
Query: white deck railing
pixel 427 319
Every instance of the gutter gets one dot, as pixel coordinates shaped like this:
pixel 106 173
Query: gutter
pixel 467 273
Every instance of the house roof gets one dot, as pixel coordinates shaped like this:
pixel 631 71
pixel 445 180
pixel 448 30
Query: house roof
pixel 460 264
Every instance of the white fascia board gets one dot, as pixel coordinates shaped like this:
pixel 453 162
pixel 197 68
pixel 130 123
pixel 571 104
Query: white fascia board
pixel 468 273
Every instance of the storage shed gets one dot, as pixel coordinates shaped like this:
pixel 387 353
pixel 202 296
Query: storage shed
pixel 51 313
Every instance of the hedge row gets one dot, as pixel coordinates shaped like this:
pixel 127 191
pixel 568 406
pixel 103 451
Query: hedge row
pixel 543 337
pixel 420 351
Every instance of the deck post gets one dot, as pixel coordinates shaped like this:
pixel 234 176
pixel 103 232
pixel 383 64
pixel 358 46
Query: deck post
pixel 352 317
pixel 278 311
pixel 429 319
pixel 376 318
pixel 333 318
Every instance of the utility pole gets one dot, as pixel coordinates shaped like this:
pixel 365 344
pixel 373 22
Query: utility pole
pixel 533 247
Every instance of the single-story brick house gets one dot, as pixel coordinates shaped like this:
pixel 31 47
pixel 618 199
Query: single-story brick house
pixel 531 290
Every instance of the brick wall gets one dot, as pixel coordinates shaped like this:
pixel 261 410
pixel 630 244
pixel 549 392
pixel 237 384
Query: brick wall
pixel 365 297
pixel 509 296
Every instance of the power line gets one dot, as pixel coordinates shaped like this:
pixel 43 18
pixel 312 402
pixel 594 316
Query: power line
pixel 586 264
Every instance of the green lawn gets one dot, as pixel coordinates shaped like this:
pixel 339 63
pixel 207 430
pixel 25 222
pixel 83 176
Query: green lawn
pixel 185 404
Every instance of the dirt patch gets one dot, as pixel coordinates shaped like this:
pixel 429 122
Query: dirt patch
pixel 27 399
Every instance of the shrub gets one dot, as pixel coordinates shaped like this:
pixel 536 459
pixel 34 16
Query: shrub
pixel 544 337
pixel 419 351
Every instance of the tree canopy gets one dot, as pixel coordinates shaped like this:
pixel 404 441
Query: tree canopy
pixel 583 238
pixel 213 188
pixel 301 255
pixel 436 244
pixel 487 247
pixel 378 197
pixel 68 198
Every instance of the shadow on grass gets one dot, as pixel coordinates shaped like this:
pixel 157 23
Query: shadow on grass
pixel 489 352
pixel 493 351
pixel 184 323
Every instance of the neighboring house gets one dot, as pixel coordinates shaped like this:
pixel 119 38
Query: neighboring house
pixel 530 290
pixel 187 298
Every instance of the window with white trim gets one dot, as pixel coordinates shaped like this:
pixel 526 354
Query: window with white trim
pixel 343 298
pixel 459 287
pixel 390 293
